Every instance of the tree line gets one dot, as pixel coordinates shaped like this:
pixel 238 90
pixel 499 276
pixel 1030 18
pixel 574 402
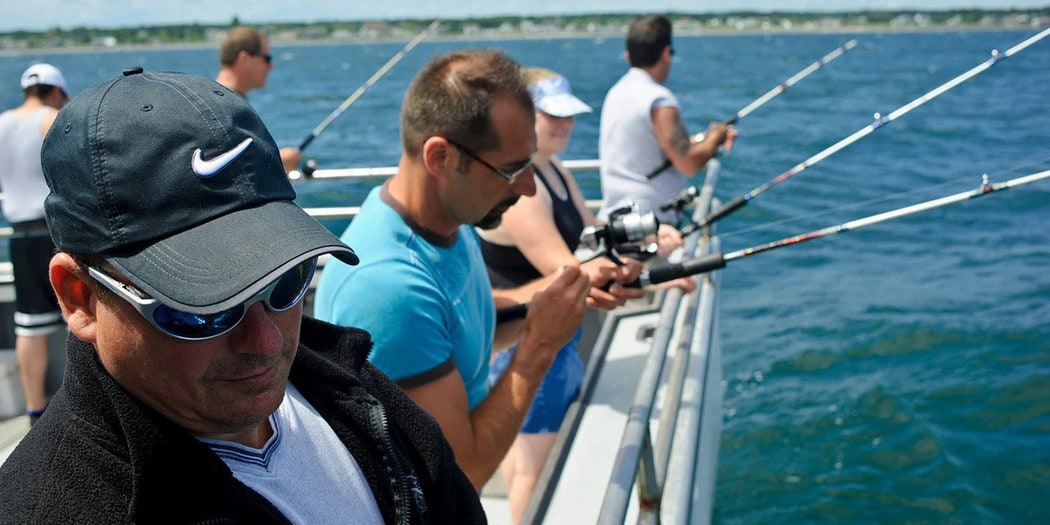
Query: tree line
pixel 585 23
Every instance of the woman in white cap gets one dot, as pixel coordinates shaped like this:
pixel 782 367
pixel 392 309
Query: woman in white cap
pixel 537 236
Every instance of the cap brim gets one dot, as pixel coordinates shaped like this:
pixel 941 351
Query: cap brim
pixel 562 105
pixel 221 263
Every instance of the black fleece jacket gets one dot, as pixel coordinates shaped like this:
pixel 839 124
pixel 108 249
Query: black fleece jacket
pixel 100 456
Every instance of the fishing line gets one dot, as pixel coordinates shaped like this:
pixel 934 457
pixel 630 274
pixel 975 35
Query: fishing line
pixel 715 261
pixel 880 121
pixel 771 94
pixel 845 207
pixel 1025 166
pixel 791 81
pixel 368 83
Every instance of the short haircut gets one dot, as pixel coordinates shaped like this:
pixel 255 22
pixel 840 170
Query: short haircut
pixel 240 38
pixel 536 74
pixel 647 36
pixel 451 96
pixel 40 91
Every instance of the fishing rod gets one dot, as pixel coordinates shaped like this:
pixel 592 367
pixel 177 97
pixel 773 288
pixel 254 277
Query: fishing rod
pixel 670 272
pixel 791 81
pixel 880 121
pixel 769 95
pixel 364 87
pixel 715 261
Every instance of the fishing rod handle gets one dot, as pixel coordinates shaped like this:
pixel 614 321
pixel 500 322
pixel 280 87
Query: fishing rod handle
pixel 672 271
pixel 306 142
pixel 511 313
pixel 681 199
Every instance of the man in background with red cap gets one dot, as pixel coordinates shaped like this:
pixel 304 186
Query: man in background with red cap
pixel 37 315
pixel 195 390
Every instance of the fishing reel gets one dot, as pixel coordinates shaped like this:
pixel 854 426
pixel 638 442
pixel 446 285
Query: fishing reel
pixel 681 199
pixel 306 170
pixel 309 167
pixel 624 234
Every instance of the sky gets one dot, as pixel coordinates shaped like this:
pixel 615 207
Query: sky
pixel 45 14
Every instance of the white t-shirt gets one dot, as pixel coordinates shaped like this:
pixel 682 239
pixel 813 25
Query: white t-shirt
pixel 303 469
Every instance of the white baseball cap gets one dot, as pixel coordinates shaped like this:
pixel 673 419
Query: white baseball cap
pixel 554 97
pixel 45 74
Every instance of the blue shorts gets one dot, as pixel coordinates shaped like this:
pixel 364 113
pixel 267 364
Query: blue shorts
pixel 558 389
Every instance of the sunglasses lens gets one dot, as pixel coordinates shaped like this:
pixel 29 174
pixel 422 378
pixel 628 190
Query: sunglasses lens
pixel 288 290
pixel 292 286
pixel 197 326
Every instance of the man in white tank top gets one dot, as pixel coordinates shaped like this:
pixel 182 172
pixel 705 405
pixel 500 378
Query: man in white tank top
pixel 37 314
pixel 646 154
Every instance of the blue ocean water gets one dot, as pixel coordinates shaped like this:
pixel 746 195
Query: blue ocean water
pixel 896 374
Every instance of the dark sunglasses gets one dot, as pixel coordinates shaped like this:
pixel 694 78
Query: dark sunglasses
pixel 268 58
pixel 509 177
pixel 283 293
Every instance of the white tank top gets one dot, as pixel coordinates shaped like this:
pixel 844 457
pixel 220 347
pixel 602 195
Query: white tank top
pixel 21 177
pixel 628 149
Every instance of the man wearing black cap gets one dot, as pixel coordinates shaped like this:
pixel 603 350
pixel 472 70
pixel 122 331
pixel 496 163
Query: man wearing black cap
pixel 195 390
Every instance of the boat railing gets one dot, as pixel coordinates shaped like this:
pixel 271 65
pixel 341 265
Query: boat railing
pixel 670 473
pixel 327 212
pixel 643 456
pixel 348 212
pixel 381 172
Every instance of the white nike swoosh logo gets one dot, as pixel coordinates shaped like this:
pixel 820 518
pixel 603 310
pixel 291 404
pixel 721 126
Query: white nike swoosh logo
pixel 207 168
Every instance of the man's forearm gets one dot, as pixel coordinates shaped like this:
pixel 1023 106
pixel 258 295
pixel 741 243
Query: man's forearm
pixel 498 419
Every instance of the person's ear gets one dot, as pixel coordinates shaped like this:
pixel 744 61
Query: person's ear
pixel 76 297
pixel 437 156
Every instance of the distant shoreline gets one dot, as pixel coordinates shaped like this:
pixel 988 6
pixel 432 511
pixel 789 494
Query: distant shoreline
pixel 278 42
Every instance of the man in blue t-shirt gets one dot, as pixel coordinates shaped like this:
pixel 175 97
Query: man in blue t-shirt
pixel 421 289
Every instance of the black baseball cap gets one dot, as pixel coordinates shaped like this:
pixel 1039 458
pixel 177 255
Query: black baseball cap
pixel 176 182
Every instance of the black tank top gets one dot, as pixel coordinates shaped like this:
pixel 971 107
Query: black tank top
pixel 507 266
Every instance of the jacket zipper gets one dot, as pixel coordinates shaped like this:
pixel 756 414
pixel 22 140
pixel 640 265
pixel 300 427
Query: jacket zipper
pixel 398 477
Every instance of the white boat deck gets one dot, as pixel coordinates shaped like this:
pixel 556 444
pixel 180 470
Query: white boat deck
pixel 596 442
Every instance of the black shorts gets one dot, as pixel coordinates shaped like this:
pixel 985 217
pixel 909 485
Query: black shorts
pixel 36 308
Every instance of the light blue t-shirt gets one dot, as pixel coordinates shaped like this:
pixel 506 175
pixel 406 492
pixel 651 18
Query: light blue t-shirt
pixel 628 149
pixel 428 307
